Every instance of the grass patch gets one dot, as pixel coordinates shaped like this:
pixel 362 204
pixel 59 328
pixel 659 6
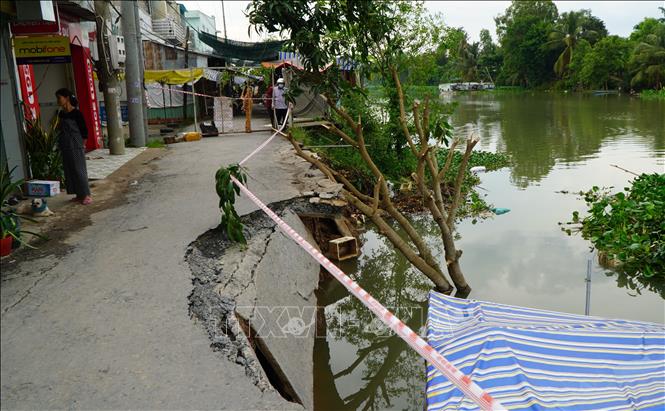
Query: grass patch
pixel 653 94
pixel 155 144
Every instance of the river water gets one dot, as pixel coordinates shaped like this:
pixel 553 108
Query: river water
pixel 556 142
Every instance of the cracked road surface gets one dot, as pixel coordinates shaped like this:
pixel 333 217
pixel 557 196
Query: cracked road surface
pixel 105 323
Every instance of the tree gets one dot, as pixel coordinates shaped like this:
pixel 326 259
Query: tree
pixel 489 56
pixel 643 29
pixel 447 53
pixel 570 28
pixel 647 61
pixel 573 78
pixel 523 31
pixel 544 11
pixel 374 34
pixel 467 60
pixel 606 65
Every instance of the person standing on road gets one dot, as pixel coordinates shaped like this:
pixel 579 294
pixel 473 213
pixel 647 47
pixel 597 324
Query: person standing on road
pixel 279 102
pixel 73 133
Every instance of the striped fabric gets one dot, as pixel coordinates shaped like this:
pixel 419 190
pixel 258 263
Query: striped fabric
pixel 535 360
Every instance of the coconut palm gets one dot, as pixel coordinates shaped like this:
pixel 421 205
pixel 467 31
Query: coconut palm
pixel 571 27
pixel 648 60
pixel 468 60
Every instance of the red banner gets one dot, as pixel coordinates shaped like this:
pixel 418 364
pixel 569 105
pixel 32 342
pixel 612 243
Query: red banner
pixel 28 87
pixel 87 96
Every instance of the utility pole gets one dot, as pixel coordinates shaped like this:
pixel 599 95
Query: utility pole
pixel 224 19
pixel 184 95
pixel 133 74
pixel 139 43
pixel 108 81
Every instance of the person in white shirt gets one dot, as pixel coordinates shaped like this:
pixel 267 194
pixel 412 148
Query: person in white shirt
pixel 279 102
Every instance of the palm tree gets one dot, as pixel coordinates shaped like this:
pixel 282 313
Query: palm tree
pixel 648 60
pixel 468 60
pixel 569 30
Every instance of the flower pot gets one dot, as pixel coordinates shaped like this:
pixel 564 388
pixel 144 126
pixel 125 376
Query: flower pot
pixel 6 246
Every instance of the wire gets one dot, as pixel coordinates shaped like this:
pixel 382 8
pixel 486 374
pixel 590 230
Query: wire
pixel 48 66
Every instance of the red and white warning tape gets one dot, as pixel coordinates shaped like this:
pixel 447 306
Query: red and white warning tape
pixel 265 143
pixel 209 95
pixel 472 391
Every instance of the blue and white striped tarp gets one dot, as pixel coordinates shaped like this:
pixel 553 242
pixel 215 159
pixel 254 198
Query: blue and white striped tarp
pixel 532 359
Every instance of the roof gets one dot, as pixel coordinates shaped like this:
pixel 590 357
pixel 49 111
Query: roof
pixel 530 359
pixel 242 51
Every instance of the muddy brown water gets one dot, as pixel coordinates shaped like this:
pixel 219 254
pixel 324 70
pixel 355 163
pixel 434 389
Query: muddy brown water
pixel 557 142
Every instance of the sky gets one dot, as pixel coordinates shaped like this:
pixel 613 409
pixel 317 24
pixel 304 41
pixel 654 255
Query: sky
pixel 619 16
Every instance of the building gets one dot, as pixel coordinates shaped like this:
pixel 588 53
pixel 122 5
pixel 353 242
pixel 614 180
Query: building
pixel 46 45
pixel 200 22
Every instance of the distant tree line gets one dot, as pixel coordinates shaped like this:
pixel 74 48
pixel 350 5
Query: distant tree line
pixel 540 48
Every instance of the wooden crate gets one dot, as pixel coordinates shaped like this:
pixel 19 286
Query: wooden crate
pixel 343 248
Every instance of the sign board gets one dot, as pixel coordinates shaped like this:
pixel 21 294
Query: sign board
pixel 36 26
pixel 28 91
pixel 42 50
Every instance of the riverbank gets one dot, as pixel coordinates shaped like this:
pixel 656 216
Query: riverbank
pixel 112 300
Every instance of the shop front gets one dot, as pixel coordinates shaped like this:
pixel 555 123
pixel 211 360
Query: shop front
pixel 54 54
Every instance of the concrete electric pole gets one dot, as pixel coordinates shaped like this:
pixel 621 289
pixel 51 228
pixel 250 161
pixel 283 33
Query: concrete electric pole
pixel 139 42
pixel 184 95
pixel 108 81
pixel 133 74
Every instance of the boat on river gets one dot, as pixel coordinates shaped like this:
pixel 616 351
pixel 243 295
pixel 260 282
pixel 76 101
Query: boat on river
pixel 465 86
pixel 604 92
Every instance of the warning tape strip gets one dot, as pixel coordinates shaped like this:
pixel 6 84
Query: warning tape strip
pixel 210 95
pixel 472 391
pixel 482 398
pixel 265 143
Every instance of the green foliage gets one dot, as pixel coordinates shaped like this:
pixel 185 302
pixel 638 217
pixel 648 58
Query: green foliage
pixel 569 30
pixel 523 34
pixel 653 94
pixel 474 203
pixel 467 60
pixel 156 144
pixel 544 11
pixel 41 145
pixel 606 65
pixel 647 61
pixel 490 58
pixel 10 221
pixel 227 192
pixel 572 78
pixel 628 227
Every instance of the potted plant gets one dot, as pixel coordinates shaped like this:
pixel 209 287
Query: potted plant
pixel 41 144
pixel 10 221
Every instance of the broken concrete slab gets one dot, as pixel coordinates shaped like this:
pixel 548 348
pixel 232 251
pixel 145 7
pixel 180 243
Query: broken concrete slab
pixel 273 281
pixel 285 281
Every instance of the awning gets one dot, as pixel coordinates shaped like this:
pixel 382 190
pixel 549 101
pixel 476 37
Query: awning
pixel 530 359
pixel 242 51
pixel 173 76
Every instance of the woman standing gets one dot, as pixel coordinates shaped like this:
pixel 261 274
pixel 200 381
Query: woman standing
pixel 73 133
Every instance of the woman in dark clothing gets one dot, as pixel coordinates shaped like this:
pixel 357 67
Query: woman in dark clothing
pixel 73 133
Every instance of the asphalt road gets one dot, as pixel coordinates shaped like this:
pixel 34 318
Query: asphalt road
pixel 105 324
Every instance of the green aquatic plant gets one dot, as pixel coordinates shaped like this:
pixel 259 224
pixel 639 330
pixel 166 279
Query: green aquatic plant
pixel 628 230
